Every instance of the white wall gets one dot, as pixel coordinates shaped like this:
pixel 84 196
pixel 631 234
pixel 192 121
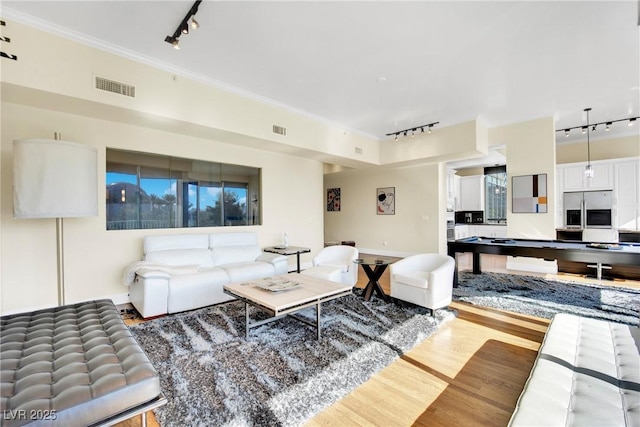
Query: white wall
pixel 418 225
pixel 95 257
pixel 530 149
pixel 601 149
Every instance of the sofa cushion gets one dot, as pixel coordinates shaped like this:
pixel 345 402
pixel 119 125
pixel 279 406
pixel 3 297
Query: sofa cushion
pixel 413 278
pixel 233 254
pixel 241 271
pixel 181 257
pixel 233 239
pixel 587 373
pixel 175 241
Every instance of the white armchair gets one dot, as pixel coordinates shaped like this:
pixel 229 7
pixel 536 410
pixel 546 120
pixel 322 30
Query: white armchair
pixel 339 257
pixel 424 279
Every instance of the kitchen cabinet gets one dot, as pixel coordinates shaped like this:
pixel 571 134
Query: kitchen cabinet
pixel 464 231
pixel 627 194
pixel 472 193
pixel 572 177
pixel 483 230
pixel 497 231
pixel 453 189
pixel 621 175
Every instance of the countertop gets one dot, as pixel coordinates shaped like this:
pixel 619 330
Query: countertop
pixel 501 224
pixel 620 230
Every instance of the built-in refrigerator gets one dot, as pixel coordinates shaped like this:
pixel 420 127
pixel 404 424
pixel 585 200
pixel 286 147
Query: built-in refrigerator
pixel 588 209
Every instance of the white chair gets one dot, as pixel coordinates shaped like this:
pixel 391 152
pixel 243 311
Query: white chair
pixel 424 279
pixel 338 257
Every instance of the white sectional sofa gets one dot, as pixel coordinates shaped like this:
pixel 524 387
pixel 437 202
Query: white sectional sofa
pixel 587 374
pixel 182 272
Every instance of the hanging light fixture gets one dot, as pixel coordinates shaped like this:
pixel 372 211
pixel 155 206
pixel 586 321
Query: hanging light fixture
pixel 588 170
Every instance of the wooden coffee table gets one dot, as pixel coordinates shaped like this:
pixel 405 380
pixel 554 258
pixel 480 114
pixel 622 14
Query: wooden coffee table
pixel 301 292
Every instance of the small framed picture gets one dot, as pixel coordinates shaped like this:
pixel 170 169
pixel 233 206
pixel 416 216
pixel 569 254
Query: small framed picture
pixel 333 199
pixel 386 200
pixel 529 193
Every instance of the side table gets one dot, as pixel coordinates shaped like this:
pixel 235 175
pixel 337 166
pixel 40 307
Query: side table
pixel 288 250
pixel 380 265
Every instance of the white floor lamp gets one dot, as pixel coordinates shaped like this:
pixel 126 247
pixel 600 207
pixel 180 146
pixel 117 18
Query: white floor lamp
pixel 55 179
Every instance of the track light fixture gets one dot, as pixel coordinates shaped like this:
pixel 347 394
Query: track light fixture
pixel 183 28
pixel 413 130
pixel 631 121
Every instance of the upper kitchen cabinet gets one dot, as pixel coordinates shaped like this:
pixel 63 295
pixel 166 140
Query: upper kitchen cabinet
pixel 472 193
pixel 571 177
pixel 627 194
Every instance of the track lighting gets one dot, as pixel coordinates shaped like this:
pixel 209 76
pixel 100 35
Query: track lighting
pixel 183 28
pixel 630 120
pixel 413 130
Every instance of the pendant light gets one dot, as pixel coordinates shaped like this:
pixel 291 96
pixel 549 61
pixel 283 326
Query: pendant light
pixel 588 170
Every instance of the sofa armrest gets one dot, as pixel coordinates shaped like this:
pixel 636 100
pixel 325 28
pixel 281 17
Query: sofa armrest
pixel 279 262
pixel 271 258
pixel 152 274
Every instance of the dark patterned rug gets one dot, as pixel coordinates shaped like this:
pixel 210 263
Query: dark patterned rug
pixel 544 298
pixel 282 375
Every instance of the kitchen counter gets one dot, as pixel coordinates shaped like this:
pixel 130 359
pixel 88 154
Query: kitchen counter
pixel 631 236
pixel 502 224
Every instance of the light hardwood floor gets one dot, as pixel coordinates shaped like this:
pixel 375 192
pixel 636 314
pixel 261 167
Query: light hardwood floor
pixel 469 373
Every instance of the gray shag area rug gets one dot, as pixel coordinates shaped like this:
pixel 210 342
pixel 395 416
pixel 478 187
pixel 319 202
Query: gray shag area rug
pixel 281 375
pixel 544 298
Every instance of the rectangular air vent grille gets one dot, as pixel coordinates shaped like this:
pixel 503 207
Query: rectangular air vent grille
pixel 115 87
pixel 280 130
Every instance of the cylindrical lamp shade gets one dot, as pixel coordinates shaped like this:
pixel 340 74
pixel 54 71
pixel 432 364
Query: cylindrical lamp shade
pixel 54 179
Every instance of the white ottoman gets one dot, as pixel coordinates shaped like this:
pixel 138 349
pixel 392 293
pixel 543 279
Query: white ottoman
pixel 321 272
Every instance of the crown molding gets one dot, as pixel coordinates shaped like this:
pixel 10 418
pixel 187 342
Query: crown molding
pixel 49 27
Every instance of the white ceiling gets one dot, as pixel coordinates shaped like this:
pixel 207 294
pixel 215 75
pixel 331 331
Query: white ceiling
pixel 381 66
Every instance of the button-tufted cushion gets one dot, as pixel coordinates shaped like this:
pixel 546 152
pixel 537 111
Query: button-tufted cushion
pixel 587 374
pixel 75 364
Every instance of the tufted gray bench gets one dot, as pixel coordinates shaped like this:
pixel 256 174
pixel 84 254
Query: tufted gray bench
pixel 75 365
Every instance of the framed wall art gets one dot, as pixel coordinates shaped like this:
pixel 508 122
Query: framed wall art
pixel 386 200
pixel 333 199
pixel 529 193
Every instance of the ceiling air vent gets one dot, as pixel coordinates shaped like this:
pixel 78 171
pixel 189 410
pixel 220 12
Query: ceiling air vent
pixel 115 87
pixel 280 130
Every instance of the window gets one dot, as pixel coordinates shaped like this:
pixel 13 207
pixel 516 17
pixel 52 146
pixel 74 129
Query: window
pixel 152 191
pixel 495 190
